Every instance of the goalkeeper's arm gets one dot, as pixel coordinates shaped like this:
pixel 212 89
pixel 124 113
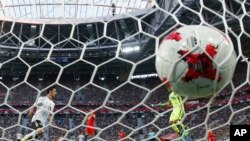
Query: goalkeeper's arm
pixel 164 104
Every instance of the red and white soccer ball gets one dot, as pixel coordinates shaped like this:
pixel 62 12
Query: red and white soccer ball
pixel 196 61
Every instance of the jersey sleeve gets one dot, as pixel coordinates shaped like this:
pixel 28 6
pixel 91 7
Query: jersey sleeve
pixel 39 102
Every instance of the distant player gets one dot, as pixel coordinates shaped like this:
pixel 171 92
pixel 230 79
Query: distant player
pixel 61 138
pixel 44 108
pixel 121 135
pixel 177 114
pixel 151 135
pixel 210 135
pixel 19 136
pixel 80 137
pixel 89 130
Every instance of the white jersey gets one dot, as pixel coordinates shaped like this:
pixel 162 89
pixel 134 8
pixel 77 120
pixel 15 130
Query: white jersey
pixel 80 138
pixel 45 107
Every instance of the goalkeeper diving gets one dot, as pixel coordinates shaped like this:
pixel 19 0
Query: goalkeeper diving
pixel 177 114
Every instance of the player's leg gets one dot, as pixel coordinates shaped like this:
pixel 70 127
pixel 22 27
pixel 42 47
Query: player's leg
pixel 174 120
pixel 35 134
pixel 86 135
pixel 37 125
pixel 91 133
pixel 180 125
pixel 183 133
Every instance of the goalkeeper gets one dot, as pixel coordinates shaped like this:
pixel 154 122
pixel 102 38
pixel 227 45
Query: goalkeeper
pixel 177 113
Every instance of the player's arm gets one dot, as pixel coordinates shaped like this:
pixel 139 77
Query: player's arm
pixel 50 117
pixel 164 103
pixel 37 104
pixel 32 111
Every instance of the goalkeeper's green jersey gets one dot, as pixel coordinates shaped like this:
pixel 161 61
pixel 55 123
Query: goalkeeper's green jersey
pixel 175 100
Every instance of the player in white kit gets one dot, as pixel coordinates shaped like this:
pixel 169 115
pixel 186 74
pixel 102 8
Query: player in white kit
pixel 80 138
pixel 44 110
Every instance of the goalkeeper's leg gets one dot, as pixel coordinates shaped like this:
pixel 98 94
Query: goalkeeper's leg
pixel 178 127
pixel 175 119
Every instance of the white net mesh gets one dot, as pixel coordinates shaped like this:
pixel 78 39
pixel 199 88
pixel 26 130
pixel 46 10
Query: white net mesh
pixel 106 64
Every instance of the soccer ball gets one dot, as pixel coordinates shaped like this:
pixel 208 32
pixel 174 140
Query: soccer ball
pixel 195 61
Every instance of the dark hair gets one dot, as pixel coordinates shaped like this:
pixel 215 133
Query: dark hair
pixel 50 89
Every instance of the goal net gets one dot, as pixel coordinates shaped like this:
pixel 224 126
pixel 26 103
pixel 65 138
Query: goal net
pixel 100 56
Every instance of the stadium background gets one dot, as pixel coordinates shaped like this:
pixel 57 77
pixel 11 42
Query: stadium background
pixel 107 64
